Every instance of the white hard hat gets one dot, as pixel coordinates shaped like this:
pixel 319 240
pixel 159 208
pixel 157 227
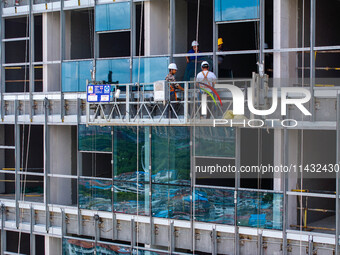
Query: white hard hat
pixel 205 63
pixel 172 66
pixel 194 43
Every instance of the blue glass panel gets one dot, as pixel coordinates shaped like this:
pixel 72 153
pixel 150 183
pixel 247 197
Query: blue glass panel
pixel 126 140
pixel 215 141
pixel 94 138
pixel 114 16
pixel 146 252
pixel 126 200
pixel 227 10
pixel 171 155
pixel 151 69
pixel 169 201
pixel 95 195
pixel 120 69
pixel 214 205
pixel 79 247
pixel 105 249
pixel 259 209
pixel 75 74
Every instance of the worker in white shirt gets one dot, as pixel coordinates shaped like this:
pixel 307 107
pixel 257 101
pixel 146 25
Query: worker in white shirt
pixel 206 76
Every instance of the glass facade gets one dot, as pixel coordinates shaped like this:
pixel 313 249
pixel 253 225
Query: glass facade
pixel 75 74
pixel 166 150
pixel 171 201
pixel 119 68
pixel 94 138
pixel 115 16
pixel 214 141
pixel 232 10
pixel 174 141
pixel 259 209
pixel 95 194
pixel 150 69
pixel 214 205
pixel 126 142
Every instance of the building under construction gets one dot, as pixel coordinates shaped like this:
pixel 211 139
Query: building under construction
pixel 96 158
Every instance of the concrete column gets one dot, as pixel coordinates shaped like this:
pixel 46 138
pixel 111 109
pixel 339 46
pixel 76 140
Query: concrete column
pixel 60 163
pixel 51 51
pixel 157 25
pixel 285 74
pixel 285 36
pixel 53 245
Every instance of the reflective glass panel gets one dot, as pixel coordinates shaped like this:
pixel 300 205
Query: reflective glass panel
pixel 126 141
pixel 120 69
pixel 150 69
pixel 228 10
pixel 115 16
pixel 75 74
pixel 214 141
pixel 126 200
pixel 260 209
pixel 169 201
pixel 214 205
pixel 75 246
pixel 94 138
pixel 95 195
pixel 171 155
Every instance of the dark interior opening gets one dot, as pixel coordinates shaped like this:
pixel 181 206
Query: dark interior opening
pixel 116 44
pixel 254 141
pixel 13 239
pixel 139 37
pixel 97 165
pixel 38 45
pixel 16 27
pixel 205 30
pixel 35 145
pixel 82 27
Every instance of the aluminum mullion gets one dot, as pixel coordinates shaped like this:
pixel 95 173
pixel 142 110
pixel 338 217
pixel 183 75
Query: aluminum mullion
pixel 17 162
pixel 337 202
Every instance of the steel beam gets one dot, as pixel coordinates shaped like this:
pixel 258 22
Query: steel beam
pixel 3 231
pixel 2 58
pixel 46 165
pixel 172 29
pixel 237 186
pixel 214 241
pixel 337 202
pixel 32 235
pixel 285 197
pixel 31 58
pixel 17 162
pixel 312 56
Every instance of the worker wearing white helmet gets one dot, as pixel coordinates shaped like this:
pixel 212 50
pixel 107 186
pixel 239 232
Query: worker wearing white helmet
pixel 194 49
pixel 171 79
pixel 206 76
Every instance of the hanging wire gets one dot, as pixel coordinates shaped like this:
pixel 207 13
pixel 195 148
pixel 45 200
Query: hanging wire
pixel 302 131
pixel 23 184
pixel 138 105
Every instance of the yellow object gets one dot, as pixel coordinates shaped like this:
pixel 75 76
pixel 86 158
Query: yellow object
pixel 220 41
pixel 228 115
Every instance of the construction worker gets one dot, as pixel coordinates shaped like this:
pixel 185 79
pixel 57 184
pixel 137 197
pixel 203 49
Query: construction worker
pixel 194 49
pixel 206 76
pixel 223 72
pixel 171 78
pixel 173 87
